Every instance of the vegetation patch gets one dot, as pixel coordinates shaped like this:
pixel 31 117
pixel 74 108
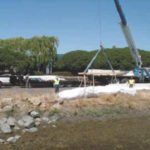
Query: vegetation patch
pixel 106 111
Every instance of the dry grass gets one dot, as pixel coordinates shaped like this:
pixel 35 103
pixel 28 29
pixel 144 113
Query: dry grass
pixel 26 102
pixel 140 101
pixel 45 102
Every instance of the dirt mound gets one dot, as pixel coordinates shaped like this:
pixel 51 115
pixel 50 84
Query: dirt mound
pixel 48 101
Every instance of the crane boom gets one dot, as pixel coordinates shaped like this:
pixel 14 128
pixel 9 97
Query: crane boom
pixel 139 71
pixel 134 52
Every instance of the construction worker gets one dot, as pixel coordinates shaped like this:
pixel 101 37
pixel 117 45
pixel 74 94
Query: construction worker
pixel 56 85
pixel 131 82
pixel 27 81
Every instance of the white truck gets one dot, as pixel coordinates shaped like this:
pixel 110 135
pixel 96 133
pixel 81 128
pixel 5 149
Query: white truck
pixel 4 80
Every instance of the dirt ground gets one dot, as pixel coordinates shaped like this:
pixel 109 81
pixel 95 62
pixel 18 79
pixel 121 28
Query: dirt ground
pixel 113 121
pixel 33 91
pixel 112 134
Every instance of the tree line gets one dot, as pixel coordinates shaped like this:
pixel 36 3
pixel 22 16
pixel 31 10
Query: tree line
pixel 120 58
pixel 38 55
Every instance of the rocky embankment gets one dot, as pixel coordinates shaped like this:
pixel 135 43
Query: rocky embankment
pixel 18 115
pixel 27 123
pixel 23 112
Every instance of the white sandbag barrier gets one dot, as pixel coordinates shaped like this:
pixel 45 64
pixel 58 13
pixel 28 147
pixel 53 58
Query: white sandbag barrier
pixel 98 90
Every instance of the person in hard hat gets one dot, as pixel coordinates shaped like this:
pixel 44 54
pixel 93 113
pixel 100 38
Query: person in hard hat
pixel 131 82
pixel 56 85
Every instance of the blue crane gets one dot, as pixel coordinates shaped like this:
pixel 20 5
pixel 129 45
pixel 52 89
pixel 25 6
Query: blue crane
pixel 139 71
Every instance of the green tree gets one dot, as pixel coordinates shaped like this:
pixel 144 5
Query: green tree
pixel 120 58
pixel 74 62
pixel 43 50
pixel 13 60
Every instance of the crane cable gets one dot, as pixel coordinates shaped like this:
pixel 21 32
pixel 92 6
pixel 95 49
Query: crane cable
pixel 99 10
pixel 100 36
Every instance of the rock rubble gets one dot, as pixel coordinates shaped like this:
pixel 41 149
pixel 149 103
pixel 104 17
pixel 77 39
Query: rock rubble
pixel 27 123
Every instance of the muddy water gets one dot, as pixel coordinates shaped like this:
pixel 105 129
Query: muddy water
pixel 110 134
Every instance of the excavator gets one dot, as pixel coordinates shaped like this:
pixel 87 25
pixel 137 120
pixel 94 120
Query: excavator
pixel 140 72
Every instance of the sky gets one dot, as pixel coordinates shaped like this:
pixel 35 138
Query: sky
pixel 78 24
